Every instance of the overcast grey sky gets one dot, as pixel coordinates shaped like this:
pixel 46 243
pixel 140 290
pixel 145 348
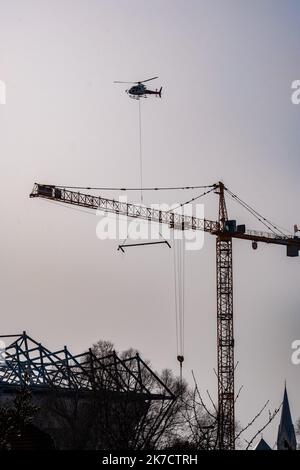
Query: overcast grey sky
pixel 226 68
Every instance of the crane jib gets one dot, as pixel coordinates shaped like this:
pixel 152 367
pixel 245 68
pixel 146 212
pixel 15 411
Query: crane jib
pixel 173 219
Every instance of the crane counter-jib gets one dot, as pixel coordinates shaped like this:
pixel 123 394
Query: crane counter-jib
pixel 266 237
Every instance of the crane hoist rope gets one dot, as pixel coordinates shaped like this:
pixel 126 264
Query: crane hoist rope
pixel 179 293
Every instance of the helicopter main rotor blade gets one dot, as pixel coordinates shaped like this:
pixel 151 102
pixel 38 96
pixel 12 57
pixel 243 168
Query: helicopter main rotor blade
pixel 148 80
pixel 124 82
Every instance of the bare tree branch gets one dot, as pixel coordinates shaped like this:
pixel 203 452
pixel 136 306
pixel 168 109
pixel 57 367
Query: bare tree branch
pixel 271 417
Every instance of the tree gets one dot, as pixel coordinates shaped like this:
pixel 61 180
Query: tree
pixel 158 421
pixel 119 413
pixel 14 416
pixel 201 423
pixel 297 429
pixel 127 408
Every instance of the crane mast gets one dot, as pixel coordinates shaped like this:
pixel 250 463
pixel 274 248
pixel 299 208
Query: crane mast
pixel 224 230
pixel 225 339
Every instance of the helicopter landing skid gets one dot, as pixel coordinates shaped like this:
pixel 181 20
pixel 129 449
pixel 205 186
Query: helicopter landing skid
pixel 137 97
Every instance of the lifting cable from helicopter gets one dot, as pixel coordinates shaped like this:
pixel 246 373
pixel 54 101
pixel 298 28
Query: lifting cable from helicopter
pixel 137 91
pixel 141 150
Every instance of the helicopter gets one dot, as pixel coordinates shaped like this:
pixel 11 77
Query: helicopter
pixel 139 90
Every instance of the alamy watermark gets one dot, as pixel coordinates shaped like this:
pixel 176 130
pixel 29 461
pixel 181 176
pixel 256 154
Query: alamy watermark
pixel 2 92
pixel 144 224
pixel 295 96
pixel 296 354
pixel 2 353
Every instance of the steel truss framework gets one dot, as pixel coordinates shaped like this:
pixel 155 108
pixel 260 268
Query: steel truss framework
pixel 175 220
pixel 226 428
pixel 28 363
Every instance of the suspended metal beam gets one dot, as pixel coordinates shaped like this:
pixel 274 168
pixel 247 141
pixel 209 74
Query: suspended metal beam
pixel 121 247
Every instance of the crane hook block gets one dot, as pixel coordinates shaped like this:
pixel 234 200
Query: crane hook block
pixel 180 359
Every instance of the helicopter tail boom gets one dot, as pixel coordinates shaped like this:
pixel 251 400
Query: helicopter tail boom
pixel 152 92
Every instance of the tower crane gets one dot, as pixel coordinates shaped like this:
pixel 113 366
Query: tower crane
pixel 225 230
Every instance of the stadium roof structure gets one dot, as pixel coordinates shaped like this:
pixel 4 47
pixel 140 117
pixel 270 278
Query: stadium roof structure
pixel 27 362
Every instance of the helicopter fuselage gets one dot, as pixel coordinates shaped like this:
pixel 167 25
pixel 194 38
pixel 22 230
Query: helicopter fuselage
pixel 141 91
